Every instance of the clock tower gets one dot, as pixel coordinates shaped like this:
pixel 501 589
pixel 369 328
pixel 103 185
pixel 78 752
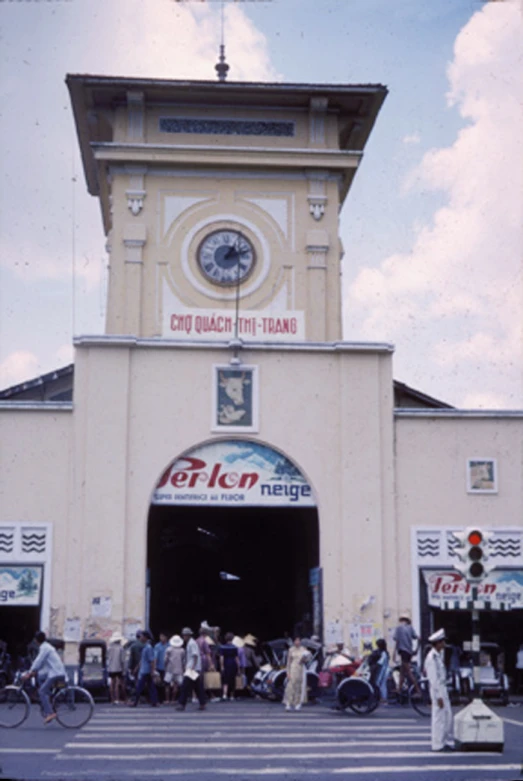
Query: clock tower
pixel 220 202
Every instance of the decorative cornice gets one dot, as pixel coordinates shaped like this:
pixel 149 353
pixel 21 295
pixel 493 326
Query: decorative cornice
pixel 415 412
pixel 133 341
pixel 218 155
pixel 37 406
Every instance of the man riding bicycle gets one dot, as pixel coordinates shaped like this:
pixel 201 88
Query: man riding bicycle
pixel 51 671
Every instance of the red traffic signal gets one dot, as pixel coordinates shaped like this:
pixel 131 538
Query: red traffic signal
pixel 472 552
pixel 475 537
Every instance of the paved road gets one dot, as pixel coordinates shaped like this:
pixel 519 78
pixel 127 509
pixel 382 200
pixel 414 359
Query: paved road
pixel 250 740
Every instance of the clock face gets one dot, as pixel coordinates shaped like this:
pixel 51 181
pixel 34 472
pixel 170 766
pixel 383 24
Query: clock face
pixel 226 257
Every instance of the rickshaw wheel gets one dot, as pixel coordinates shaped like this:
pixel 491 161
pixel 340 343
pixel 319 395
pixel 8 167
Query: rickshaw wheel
pixel 358 695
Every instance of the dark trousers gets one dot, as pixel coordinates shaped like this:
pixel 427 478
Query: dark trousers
pixel 161 687
pixel 153 694
pixel 188 686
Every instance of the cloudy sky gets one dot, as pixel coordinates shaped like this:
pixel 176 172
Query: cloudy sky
pixel 432 228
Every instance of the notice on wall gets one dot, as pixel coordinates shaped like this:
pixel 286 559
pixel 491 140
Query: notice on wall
pixel 366 636
pixel 130 629
pixel 72 630
pixel 354 636
pixel 234 473
pixel 333 633
pixel 20 585
pixel 101 607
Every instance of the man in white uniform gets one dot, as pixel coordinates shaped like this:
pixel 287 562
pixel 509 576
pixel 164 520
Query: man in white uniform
pixel 442 730
pixel 50 669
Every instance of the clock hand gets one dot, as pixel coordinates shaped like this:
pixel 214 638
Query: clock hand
pixel 232 249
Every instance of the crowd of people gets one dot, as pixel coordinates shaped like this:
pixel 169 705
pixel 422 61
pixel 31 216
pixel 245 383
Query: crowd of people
pixel 182 666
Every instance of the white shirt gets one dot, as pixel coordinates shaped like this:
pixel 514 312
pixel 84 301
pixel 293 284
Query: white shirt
pixel 191 651
pixel 436 673
pixel 48 661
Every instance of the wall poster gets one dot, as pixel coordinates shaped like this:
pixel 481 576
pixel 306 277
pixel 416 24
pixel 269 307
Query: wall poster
pixel 482 477
pixel 235 398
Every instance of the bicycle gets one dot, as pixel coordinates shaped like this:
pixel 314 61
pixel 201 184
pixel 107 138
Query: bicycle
pixel 73 705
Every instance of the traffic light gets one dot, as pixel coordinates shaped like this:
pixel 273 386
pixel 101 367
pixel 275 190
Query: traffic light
pixel 473 553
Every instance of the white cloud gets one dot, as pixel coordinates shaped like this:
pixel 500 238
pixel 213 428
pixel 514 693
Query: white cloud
pixel 457 295
pixel 412 138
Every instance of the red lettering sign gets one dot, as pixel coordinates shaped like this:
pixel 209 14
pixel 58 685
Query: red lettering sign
pixel 454 584
pixel 191 472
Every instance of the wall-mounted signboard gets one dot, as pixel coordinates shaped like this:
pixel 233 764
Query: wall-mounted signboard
pixel 234 472
pixel 20 585
pixel 220 325
pixel 444 587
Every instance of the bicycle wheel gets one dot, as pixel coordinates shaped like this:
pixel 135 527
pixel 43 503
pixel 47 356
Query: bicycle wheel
pixel 73 707
pixel 14 706
pixel 421 702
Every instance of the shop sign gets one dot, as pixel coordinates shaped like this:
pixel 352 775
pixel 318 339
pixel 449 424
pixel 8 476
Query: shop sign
pixel 232 473
pixel 218 325
pixel 20 585
pixel 500 586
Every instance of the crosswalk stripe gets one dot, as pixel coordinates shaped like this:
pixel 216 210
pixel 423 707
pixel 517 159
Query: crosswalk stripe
pixel 127 730
pixel 291 718
pixel 285 740
pixel 513 721
pixel 221 744
pixel 301 756
pixel 30 750
pixel 234 771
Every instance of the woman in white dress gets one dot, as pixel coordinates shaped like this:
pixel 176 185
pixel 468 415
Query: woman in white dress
pixel 296 686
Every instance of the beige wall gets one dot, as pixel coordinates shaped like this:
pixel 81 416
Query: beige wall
pixel 148 255
pixel 130 425
pixel 192 184
pixel 431 489
pixel 138 406
pixel 35 486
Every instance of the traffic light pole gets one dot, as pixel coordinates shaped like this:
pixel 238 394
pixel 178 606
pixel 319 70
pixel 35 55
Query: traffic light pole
pixel 476 642
pixel 476 726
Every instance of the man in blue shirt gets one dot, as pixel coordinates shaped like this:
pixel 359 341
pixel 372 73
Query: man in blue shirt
pixel 146 672
pixel 50 670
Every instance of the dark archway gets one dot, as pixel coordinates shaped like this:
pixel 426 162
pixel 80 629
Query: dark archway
pixel 232 538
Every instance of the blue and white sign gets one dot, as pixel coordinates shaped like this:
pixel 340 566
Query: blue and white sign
pixel 20 585
pixel 234 472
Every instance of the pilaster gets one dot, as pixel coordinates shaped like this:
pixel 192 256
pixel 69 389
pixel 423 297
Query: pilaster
pixel 134 238
pixel 317 247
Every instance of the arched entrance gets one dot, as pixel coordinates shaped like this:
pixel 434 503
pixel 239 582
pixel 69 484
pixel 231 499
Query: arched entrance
pixel 233 539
